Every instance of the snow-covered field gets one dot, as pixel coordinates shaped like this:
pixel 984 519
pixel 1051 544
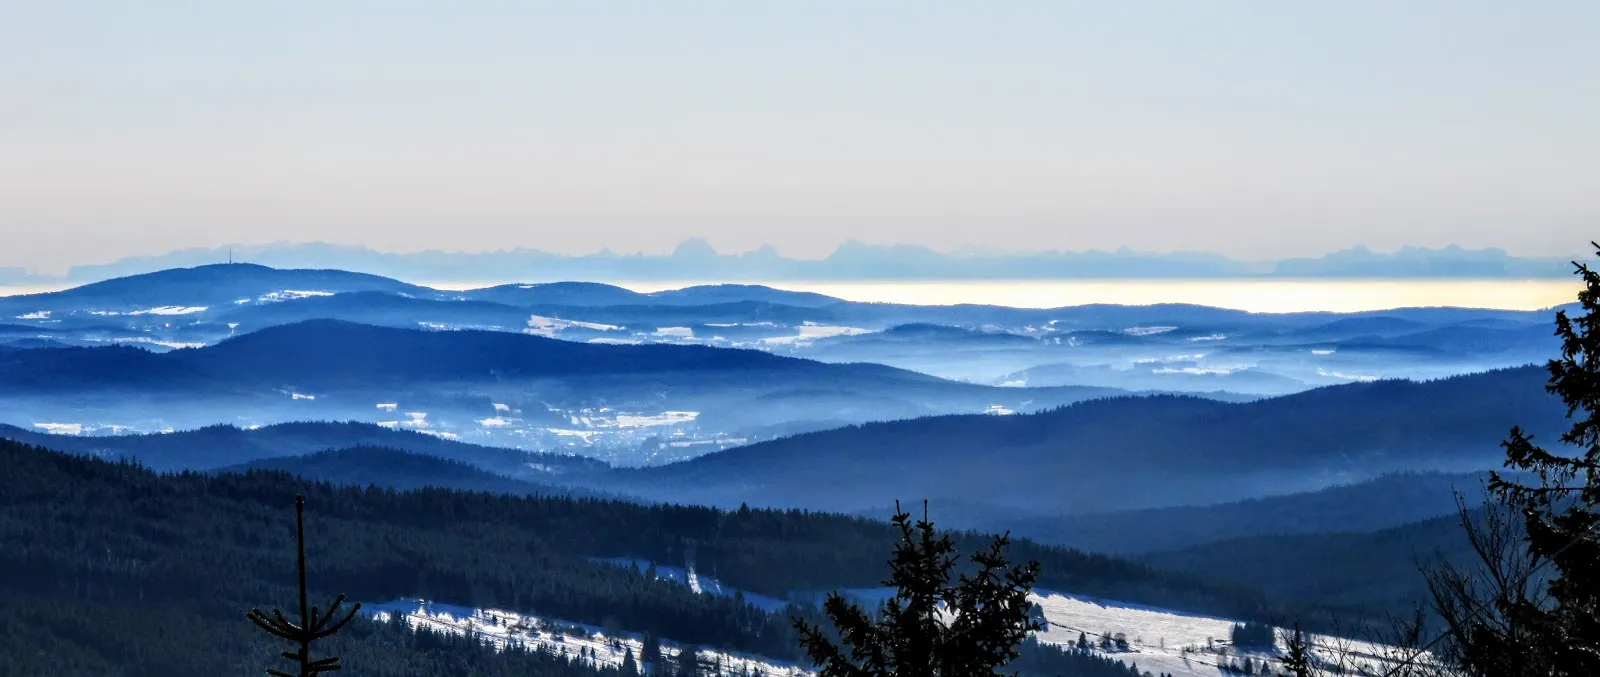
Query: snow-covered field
pixel 583 642
pixel 1180 643
pixel 1158 641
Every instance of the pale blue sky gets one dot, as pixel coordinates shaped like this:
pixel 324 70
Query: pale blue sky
pixel 1256 129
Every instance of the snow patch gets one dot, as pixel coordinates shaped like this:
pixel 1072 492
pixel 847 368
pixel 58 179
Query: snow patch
pixel 811 331
pixel 388 406
pixel 1194 371
pixel 61 428
pixel 539 325
pixel 1360 378
pixel 502 629
pixel 38 315
pixel 1147 331
pixel 663 418
pixel 175 345
pixel 163 310
pixel 290 295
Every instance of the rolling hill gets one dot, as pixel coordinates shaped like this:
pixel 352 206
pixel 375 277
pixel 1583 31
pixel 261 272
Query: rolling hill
pixel 629 403
pixel 1127 452
pixel 404 471
pixel 203 287
pixel 223 446
pixel 1388 501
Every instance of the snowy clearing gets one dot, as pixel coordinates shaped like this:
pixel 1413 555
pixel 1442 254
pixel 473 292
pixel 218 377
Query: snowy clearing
pixel 548 327
pixel 586 642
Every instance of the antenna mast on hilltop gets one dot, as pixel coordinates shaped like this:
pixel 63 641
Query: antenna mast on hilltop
pixel 230 256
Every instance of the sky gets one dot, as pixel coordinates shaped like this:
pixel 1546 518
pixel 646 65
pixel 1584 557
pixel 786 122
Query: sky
pixel 1254 129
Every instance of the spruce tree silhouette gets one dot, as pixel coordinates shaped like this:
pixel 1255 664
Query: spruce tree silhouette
pixel 931 627
pixel 313 624
pixel 1537 611
pixel 1297 654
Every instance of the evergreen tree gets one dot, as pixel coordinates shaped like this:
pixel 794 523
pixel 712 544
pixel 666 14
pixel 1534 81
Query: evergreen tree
pixel 312 625
pixel 650 652
pixel 1083 641
pixel 1538 613
pixel 1297 655
pixel 931 627
pixel 1036 614
pixel 689 661
pixel 630 667
pixel 1253 635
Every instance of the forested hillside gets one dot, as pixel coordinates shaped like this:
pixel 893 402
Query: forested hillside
pixel 112 565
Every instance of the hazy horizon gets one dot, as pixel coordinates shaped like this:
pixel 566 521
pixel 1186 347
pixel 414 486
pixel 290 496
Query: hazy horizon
pixel 242 251
pixel 1251 295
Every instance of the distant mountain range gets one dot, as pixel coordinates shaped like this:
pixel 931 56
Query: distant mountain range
pixel 695 259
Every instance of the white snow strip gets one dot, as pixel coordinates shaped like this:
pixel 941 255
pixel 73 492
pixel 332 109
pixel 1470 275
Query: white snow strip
pixel 810 331
pixel 61 428
pixel 540 325
pixel 37 315
pixel 290 295
pixel 1194 371
pixel 163 310
pixel 175 345
pixel 586 643
pixel 1362 378
pixel 663 418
